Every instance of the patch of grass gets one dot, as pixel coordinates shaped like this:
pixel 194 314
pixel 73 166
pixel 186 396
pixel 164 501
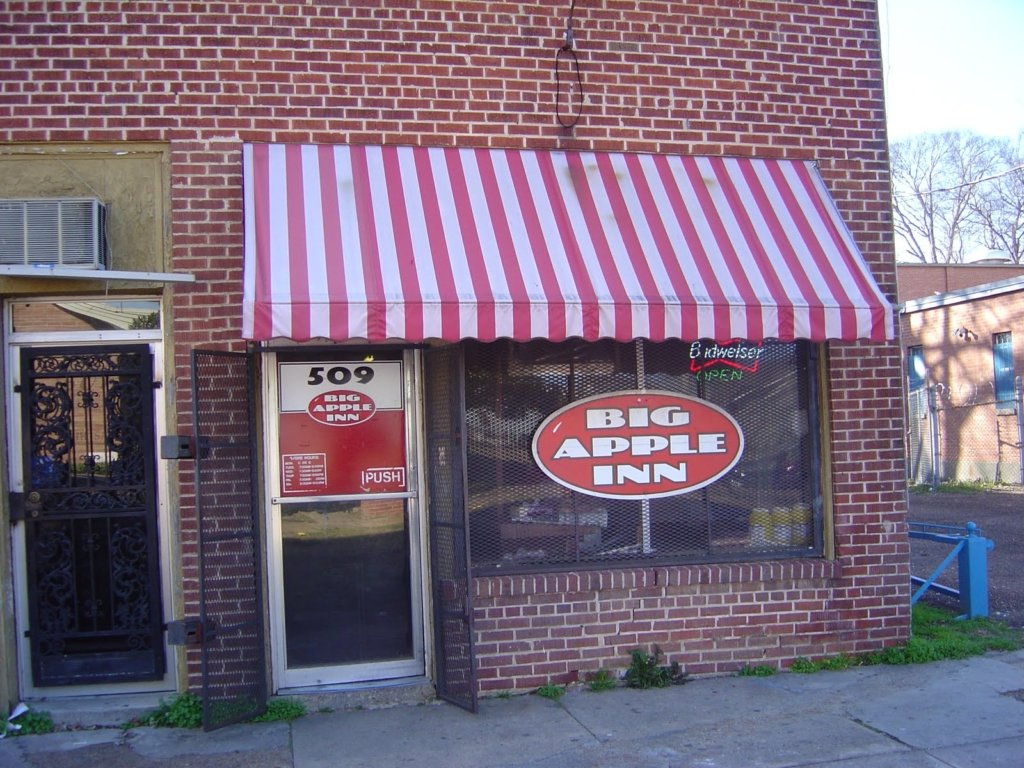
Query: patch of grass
pixel 602 680
pixel 645 671
pixel 31 723
pixel 760 670
pixel 936 634
pixel 553 692
pixel 803 665
pixel 956 486
pixel 281 710
pixel 836 663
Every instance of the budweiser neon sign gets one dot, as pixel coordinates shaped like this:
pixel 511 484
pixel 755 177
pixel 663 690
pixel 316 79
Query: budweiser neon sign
pixel 727 360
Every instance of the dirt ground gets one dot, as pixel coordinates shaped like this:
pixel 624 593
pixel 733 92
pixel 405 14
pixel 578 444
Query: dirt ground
pixel 1000 516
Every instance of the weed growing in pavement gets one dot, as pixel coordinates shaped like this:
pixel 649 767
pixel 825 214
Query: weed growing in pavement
pixel 802 664
pixel 936 634
pixel 602 680
pixel 645 671
pixel 184 710
pixel 761 670
pixel 553 692
pixel 30 723
pixel 836 663
pixel 281 710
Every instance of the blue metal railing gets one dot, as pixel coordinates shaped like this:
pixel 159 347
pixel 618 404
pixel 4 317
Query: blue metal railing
pixel 971 550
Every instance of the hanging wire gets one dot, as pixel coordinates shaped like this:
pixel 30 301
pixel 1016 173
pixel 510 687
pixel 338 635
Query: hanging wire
pixel 568 52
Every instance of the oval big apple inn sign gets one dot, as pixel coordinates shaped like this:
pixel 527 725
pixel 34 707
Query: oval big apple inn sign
pixel 341 408
pixel 637 445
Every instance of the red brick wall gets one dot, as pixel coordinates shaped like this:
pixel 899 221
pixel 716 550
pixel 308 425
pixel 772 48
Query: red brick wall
pixel 710 619
pixel 962 364
pixel 760 77
pixel 919 281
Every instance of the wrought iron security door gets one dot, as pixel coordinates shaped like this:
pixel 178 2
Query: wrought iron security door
pixel 90 514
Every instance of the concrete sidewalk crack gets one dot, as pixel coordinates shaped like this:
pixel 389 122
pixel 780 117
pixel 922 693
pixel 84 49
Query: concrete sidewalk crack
pixel 881 732
pixel 581 724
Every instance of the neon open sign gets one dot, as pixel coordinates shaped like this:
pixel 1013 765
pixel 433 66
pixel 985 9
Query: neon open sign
pixel 636 445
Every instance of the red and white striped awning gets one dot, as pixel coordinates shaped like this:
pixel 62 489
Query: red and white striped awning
pixel 414 243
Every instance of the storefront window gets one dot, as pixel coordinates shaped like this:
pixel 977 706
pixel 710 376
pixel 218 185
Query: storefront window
pixel 766 505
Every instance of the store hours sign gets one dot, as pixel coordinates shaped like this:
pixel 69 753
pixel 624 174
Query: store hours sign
pixel 341 428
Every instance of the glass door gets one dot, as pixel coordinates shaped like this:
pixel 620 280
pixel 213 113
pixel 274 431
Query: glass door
pixel 346 588
pixel 346 580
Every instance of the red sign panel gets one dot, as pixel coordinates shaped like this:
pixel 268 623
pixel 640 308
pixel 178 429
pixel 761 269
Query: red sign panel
pixel 637 445
pixel 341 428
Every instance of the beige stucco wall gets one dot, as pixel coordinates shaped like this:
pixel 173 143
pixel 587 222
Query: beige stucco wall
pixel 132 180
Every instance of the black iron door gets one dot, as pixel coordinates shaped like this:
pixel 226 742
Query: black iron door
pixel 230 566
pixel 90 512
pixel 449 527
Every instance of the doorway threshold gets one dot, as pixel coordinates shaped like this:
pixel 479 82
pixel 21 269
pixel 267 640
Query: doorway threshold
pixel 99 711
pixel 374 694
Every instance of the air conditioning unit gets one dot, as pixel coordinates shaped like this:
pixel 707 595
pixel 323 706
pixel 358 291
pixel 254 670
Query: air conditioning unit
pixel 54 231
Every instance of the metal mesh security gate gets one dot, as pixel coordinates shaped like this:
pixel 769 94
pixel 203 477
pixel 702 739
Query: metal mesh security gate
pixel 952 439
pixel 231 612
pixel 920 443
pixel 449 554
pixel 769 504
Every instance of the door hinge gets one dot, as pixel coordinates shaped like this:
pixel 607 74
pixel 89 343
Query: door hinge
pixel 25 505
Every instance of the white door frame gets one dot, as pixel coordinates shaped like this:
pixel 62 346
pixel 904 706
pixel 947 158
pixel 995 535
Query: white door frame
pixel 13 343
pixel 352 675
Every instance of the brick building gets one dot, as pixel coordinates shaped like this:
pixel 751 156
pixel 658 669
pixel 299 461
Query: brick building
pixel 513 355
pixel 920 281
pixel 960 347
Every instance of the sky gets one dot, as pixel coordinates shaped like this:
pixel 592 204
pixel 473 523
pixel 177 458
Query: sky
pixel 953 65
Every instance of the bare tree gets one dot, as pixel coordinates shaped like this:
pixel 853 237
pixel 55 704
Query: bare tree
pixel 998 205
pixel 934 194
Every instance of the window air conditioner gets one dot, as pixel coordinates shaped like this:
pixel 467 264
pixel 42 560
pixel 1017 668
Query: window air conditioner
pixel 56 231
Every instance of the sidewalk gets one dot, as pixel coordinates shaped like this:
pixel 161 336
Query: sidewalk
pixel 965 714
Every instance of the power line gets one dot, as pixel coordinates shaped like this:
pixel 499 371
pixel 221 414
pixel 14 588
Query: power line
pixel 982 180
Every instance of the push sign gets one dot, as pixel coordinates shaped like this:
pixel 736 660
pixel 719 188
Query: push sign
pixel 637 445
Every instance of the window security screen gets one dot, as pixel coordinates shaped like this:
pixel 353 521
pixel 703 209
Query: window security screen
pixel 768 505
